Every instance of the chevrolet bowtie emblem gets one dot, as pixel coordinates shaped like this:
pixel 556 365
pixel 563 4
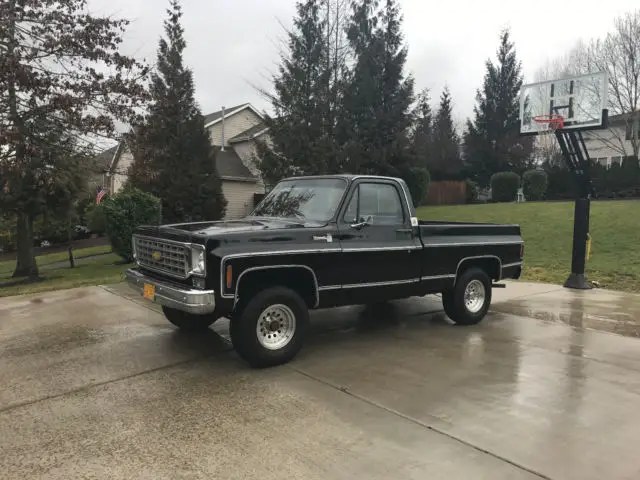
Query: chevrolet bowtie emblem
pixel 156 256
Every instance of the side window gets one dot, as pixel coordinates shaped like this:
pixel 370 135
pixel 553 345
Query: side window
pixel 351 214
pixel 381 201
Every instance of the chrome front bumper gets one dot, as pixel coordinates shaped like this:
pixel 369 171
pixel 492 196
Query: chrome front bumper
pixel 198 302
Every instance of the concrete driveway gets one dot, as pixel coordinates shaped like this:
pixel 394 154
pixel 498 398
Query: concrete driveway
pixel 95 384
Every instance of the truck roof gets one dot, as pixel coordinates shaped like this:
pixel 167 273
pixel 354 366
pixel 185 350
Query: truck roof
pixel 345 176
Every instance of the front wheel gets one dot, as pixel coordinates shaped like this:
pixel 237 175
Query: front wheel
pixel 271 328
pixel 188 321
pixel 468 301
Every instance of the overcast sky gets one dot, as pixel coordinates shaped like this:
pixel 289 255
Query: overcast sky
pixel 233 44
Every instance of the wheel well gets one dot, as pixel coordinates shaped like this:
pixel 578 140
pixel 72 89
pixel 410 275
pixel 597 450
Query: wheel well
pixel 491 265
pixel 298 279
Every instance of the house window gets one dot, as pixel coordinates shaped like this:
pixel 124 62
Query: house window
pixel 617 160
pixel 604 161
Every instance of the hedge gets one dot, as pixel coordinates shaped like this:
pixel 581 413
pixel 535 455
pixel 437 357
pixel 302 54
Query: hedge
pixel 504 186
pixel 534 184
pixel 96 219
pixel 125 212
pixel 618 181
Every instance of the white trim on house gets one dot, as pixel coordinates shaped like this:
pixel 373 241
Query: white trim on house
pixel 116 154
pixel 233 112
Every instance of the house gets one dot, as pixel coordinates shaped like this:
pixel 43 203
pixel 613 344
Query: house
pixel 99 169
pixel 613 144
pixel 234 131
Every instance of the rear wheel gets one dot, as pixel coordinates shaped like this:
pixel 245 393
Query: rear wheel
pixel 469 300
pixel 270 329
pixel 188 321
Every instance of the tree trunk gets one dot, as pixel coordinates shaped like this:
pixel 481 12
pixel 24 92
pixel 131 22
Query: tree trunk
pixel 26 265
pixel 72 263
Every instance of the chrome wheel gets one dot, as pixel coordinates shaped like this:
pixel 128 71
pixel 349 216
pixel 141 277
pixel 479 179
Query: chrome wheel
pixel 276 326
pixel 474 296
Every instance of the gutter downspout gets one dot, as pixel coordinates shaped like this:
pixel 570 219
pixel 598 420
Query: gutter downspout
pixel 222 149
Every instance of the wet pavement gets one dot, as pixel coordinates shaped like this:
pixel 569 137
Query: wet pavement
pixel 99 385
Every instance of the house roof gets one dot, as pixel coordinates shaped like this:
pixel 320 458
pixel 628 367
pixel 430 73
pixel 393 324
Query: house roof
pixel 250 133
pixel 621 118
pixel 230 167
pixel 215 117
pixel 103 161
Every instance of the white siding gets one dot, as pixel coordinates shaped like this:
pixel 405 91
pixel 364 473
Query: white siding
pixel 233 125
pixel 239 197
pixel 608 143
pixel 119 177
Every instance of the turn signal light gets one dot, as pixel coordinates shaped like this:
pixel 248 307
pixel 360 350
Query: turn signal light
pixel 229 277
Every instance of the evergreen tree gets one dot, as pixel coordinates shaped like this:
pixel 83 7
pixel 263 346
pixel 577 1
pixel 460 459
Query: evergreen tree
pixel 422 135
pixel 174 158
pixel 492 142
pixel 378 98
pixel 305 99
pixel 445 161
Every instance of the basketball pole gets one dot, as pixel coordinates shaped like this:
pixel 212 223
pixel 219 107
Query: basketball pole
pixel 576 155
pixel 581 214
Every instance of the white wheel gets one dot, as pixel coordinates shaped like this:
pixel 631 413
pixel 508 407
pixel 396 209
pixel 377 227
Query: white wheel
pixel 474 296
pixel 276 327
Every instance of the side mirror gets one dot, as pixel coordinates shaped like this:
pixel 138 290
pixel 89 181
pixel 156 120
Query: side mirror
pixel 364 222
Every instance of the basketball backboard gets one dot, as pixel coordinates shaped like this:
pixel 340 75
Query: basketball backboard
pixel 581 100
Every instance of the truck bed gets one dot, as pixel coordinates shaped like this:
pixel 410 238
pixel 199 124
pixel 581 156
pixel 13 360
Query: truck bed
pixel 469 229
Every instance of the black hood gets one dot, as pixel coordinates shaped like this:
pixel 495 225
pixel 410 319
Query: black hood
pixel 247 224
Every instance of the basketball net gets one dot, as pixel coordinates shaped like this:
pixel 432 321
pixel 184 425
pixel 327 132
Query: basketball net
pixel 548 147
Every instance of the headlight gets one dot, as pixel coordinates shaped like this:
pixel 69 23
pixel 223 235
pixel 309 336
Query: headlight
pixel 198 260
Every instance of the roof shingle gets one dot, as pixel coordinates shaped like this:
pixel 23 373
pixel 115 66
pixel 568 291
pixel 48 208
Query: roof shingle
pixel 230 166
pixel 212 117
pixel 102 162
pixel 249 133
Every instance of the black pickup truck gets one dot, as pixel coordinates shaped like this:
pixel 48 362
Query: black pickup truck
pixel 318 242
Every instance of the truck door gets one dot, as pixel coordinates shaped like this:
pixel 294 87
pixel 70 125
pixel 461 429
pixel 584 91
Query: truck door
pixel 380 248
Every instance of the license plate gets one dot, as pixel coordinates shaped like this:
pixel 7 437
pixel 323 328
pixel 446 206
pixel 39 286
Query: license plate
pixel 149 291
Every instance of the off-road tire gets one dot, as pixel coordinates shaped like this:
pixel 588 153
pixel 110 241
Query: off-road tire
pixel 453 300
pixel 244 327
pixel 189 322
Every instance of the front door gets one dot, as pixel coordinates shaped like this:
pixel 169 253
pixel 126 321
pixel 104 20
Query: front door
pixel 380 248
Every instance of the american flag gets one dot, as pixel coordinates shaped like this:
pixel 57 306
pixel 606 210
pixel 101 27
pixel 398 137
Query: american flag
pixel 101 193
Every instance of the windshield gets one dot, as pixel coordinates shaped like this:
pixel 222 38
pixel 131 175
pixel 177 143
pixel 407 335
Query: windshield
pixel 304 199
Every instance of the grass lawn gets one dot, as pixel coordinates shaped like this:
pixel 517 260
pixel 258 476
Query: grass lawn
pixel 48 259
pixel 102 270
pixel 547 228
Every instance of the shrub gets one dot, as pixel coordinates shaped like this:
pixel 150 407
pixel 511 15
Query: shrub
pixel 534 184
pixel 125 212
pixel 96 219
pixel 418 182
pixel 504 186
pixel 473 191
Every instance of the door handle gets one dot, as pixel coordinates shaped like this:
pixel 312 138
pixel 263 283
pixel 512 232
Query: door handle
pixel 404 230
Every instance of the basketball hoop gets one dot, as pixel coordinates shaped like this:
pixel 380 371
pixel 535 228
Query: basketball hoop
pixel 554 121
pixel 546 140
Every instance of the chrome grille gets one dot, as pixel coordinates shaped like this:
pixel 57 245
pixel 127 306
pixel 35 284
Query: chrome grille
pixel 170 258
